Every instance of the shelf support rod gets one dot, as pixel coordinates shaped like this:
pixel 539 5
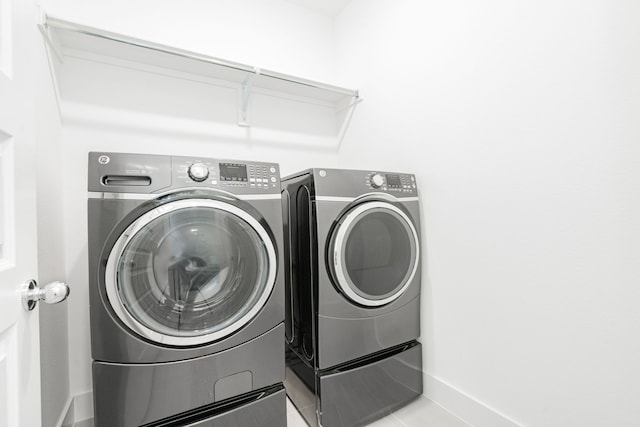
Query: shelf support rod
pixel 52 50
pixel 245 93
pixel 351 107
pixel 43 27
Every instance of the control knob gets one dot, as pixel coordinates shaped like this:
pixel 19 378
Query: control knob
pixel 198 172
pixel 377 180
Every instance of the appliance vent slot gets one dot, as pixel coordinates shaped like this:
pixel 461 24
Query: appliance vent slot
pixel 126 180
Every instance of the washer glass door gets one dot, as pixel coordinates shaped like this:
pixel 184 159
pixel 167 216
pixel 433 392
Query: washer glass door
pixel 375 253
pixel 190 272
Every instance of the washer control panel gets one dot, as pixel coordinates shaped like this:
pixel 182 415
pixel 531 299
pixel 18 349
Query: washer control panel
pixel 229 175
pixel 394 183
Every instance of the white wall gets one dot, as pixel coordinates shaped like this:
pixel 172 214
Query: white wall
pixel 521 121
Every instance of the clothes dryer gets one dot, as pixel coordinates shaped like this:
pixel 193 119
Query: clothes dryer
pixel 353 293
pixel 186 291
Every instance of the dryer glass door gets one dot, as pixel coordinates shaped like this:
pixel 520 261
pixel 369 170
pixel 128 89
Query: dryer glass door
pixel 375 253
pixel 190 272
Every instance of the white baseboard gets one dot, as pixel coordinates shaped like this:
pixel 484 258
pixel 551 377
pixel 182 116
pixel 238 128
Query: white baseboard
pixel 464 406
pixel 83 406
pixel 77 409
pixel 66 417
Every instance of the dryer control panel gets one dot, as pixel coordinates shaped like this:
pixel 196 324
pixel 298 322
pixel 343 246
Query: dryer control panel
pixel 395 183
pixel 354 183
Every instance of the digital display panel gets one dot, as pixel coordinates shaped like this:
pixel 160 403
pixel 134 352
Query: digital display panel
pixel 393 180
pixel 233 172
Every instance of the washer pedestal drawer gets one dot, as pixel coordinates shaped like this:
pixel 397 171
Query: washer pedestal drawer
pixel 266 408
pixel 136 394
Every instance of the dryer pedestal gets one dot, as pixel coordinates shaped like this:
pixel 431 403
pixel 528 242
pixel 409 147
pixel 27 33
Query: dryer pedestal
pixel 358 392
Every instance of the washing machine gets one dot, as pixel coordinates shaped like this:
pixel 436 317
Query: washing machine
pixel 186 291
pixel 353 294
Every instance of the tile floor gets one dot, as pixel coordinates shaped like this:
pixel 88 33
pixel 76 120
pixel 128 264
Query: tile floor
pixel 420 413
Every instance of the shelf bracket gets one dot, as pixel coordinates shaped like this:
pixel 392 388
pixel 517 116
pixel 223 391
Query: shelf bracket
pixel 43 27
pixel 52 49
pixel 245 93
pixel 351 107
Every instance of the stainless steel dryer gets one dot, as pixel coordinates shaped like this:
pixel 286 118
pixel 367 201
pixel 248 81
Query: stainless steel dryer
pixel 186 291
pixel 353 291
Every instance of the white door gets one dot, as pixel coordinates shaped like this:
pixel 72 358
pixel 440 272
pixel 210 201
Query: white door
pixel 19 339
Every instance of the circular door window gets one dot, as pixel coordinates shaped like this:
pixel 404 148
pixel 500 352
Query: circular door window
pixel 375 253
pixel 190 272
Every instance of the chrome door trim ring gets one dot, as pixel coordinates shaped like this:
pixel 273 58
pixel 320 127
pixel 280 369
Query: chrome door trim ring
pixel 111 282
pixel 338 266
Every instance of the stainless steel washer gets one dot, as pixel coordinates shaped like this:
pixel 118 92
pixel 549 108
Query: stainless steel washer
pixel 186 290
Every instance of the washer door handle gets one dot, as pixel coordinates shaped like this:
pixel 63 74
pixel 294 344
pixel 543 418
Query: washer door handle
pixel 52 293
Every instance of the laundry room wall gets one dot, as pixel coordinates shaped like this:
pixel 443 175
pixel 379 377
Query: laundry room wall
pixel 149 112
pixel 520 121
